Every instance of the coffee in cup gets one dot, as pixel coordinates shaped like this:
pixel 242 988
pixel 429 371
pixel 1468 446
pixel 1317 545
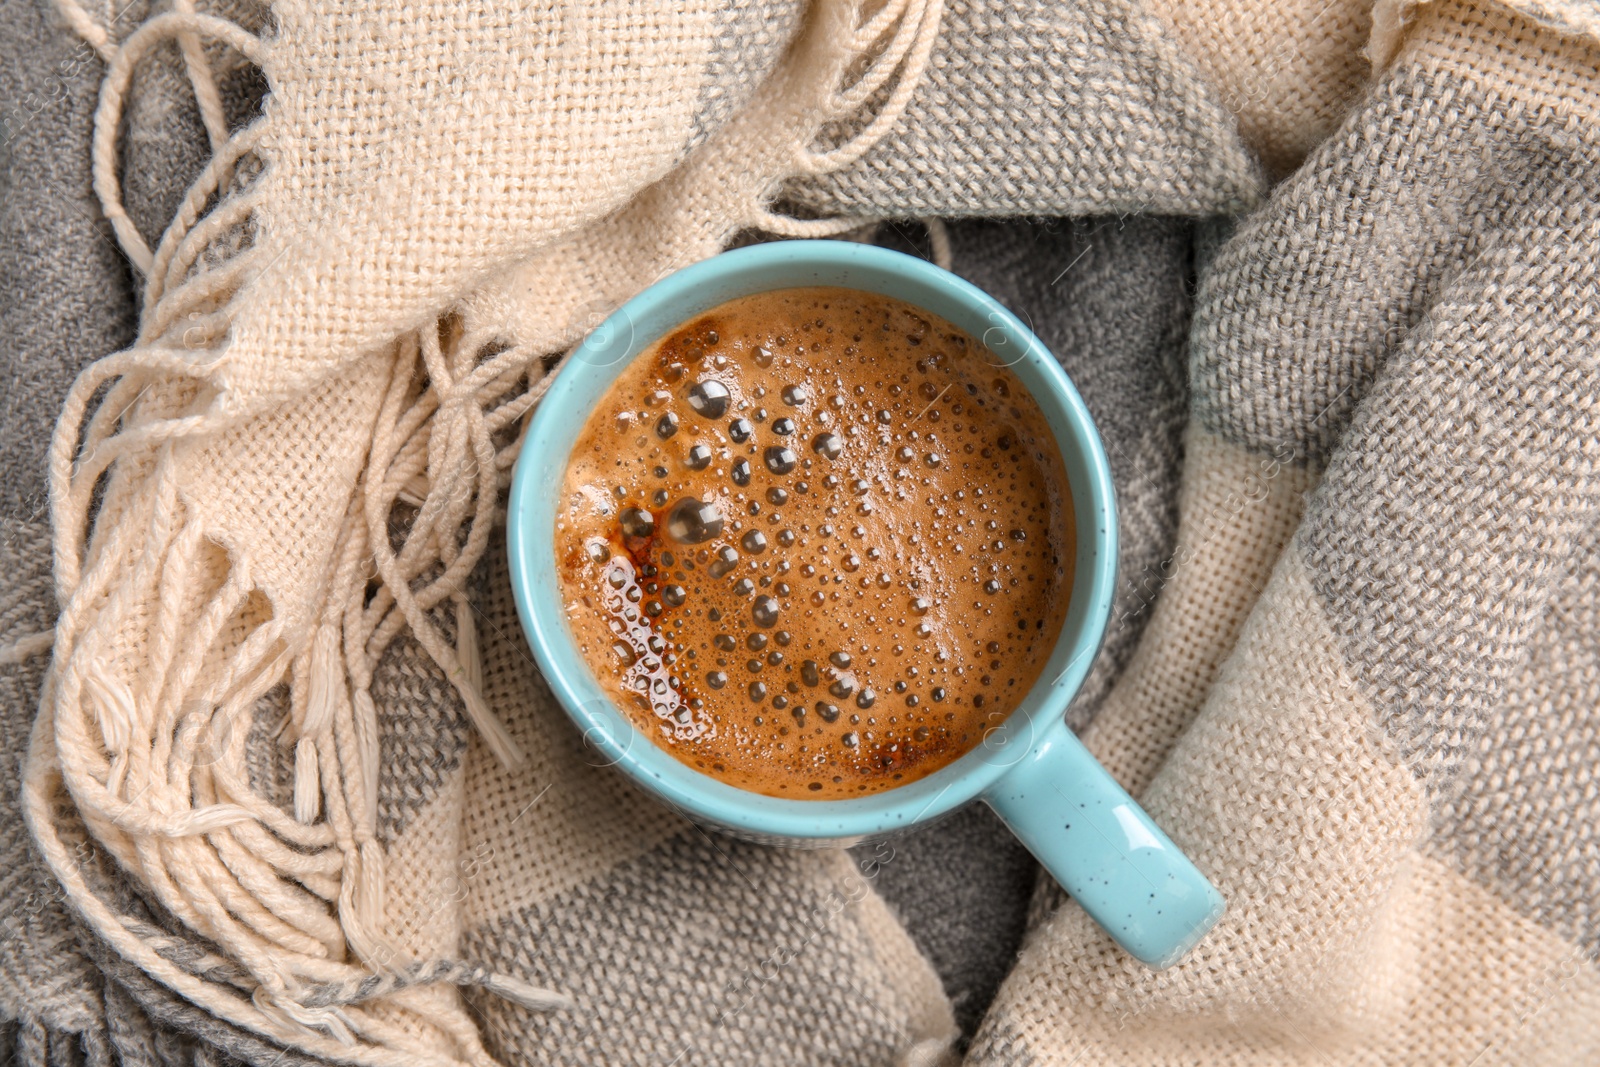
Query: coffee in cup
pixel 816 542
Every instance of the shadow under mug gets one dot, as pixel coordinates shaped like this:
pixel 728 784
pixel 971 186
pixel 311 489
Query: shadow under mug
pixel 1080 824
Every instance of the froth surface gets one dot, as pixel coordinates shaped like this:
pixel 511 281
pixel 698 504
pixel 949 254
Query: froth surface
pixel 815 542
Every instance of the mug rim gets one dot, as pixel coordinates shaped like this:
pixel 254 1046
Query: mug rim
pixel 555 425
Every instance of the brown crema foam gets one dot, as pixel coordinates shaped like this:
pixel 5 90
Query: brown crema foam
pixel 816 542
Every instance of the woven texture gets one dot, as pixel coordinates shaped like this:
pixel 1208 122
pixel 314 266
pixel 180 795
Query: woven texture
pixel 282 783
pixel 1018 124
pixel 1357 704
pixel 1288 71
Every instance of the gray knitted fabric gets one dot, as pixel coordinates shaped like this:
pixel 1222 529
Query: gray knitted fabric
pixel 1411 319
pixel 1442 365
pixel 67 301
pixel 1011 120
pixel 1109 296
pixel 1475 634
pixel 1374 717
pixel 748 41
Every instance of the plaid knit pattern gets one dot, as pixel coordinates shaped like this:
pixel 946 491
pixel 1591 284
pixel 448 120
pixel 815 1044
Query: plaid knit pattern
pixel 1353 667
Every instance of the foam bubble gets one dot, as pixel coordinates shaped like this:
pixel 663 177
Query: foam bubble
pixel 889 505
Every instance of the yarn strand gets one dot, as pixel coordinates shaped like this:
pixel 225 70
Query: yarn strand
pixel 171 660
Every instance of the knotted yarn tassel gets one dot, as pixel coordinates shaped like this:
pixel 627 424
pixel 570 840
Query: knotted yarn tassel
pixel 307 782
pixel 372 987
pixel 296 1017
pixel 366 730
pixel 118 773
pixel 361 909
pixel 114 712
pixel 371 886
pixel 325 677
pixel 526 994
pixel 467 644
pixel 495 736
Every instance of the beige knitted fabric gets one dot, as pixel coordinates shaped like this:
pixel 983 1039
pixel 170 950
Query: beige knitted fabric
pixel 1287 70
pixel 1342 944
pixel 297 774
pixel 305 449
pixel 1237 510
pixel 1366 701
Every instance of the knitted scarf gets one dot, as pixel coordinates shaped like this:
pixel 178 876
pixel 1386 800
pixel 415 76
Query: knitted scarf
pixel 295 773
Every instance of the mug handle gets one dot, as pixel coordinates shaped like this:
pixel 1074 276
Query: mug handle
pixel 1103 849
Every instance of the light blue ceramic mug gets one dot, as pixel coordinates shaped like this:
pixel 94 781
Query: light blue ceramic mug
pixel 1091 836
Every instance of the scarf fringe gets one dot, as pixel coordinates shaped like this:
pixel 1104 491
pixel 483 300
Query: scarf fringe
pixel 147 731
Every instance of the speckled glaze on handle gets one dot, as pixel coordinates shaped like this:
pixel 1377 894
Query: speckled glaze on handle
pixel 1029 767
pixel 1102 848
